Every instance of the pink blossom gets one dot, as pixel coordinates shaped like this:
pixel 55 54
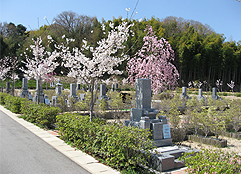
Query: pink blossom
pixel 154 61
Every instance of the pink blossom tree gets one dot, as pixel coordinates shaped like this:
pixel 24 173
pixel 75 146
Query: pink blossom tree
pixel 41 62
pixel 3 70
pixel 154 61
pixel 103 57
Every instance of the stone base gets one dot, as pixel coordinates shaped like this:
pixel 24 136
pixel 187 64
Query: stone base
pixel 163 142
pixel 24 94
pixel 166 158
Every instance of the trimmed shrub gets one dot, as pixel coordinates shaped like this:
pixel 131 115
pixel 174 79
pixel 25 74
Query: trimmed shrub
pixel 13 103
pixel 41 114
pixel 3 98
pixel 118 146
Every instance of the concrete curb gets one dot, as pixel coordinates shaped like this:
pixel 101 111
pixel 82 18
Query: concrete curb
pixel 84 160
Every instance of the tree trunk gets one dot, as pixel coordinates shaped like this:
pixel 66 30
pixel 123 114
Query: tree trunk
pixel 92 100
pixel 2 85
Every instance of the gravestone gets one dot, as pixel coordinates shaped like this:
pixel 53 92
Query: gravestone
pixel 214 95
pixel 73 93
pixel 54 100
pixel 39 95
pixel 58 88
pixel 103 92
pixel 184 93
pixel 200 95
pixel 8 89
pixel 144 117
pixel 24 92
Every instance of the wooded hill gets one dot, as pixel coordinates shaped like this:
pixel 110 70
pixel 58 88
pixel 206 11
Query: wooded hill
pixel 200 53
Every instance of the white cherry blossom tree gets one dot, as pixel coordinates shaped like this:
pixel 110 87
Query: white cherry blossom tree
pixel 41 62
pixel 3 70
pixel 102 58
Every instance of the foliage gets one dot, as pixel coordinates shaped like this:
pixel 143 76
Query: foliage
pixel 119 147
pixel 13 103
pixel 200 53
pixel 174 114
pixel 234 114
pixel 3 98
pixel 212 161
pixel 40 114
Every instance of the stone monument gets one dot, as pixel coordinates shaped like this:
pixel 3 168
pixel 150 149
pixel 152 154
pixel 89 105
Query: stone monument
pixel 144 117
pixel 103 92
pixel 215 96
pixel 73 92
pixel 58 88
pixel 25 92
pixel 200 95
pixel 39 95
pixel 184 93
pixel 8 89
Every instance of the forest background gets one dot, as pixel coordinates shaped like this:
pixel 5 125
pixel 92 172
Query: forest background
pixel 200 53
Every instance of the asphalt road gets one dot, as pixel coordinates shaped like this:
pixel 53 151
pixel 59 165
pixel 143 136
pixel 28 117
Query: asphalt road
pixel 22 152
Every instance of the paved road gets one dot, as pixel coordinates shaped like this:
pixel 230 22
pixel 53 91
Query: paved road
pixel 22 152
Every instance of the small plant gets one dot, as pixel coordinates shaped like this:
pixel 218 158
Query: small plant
pixel 212 161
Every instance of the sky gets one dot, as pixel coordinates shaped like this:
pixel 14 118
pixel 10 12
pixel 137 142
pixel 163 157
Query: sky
pixel 223 16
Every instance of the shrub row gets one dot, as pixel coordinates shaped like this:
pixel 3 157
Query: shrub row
pixel 40 114
pixel 118 146
pixel 212 161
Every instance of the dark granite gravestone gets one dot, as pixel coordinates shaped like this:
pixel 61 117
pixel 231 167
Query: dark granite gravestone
pixel 144 117
pixel 24 92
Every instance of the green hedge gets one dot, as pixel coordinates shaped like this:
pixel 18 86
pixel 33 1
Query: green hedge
pixel 13 103
pixel 40 114
pixel 118 146
pixel 3 98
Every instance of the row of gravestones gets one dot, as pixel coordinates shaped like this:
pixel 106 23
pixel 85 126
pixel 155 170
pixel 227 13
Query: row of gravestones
pixel 200 95
pixel 73 95
pixel 41 98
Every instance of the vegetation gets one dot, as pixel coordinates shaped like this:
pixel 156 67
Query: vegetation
pixel 117 146
pixel 209 161
pixel 200 53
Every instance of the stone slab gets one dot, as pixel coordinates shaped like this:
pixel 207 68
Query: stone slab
pixel 163 142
